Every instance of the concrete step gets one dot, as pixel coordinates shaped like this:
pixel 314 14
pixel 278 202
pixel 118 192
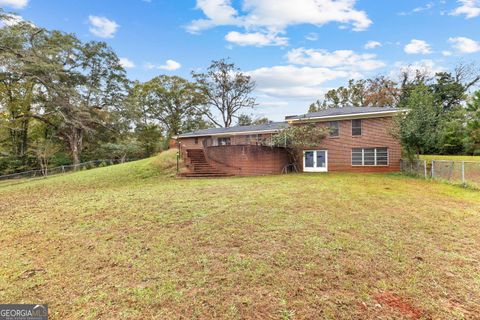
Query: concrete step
pixel 206 175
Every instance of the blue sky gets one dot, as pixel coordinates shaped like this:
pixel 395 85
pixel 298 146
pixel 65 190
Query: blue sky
pixel 295 50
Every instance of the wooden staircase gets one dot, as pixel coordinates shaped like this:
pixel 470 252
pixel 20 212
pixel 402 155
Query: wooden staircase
pixel 199 167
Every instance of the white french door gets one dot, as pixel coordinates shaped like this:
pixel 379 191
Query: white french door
pixel 315 161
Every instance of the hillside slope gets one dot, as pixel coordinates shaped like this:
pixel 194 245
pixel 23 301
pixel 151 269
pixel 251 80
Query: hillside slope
pixel 132 241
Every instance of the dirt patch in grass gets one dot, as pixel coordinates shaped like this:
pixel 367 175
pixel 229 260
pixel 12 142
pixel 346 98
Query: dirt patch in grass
pixel 399 304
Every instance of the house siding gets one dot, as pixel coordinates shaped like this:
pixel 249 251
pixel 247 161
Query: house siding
pixel 376 133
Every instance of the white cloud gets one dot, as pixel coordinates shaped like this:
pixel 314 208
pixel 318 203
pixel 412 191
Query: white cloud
pixel 170 65
pixel 465 45
pixel 218 12
pixel 102 27
pixel 417 47
pixel 312 36
pixel 470 8
pixel 341 59
pixel 446 53
pixel 16 4
pixel 372 44
pixel 426 7
pixel 310 73
pixel 296 82
pixel 271 17
pixel 255 39
pixel 127 63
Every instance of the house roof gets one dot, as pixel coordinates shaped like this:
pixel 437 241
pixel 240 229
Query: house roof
pixel 345 112
pixel 260 128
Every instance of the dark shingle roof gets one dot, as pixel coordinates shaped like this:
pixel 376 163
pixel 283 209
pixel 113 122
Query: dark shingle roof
pixel 273 126
pixel 345 111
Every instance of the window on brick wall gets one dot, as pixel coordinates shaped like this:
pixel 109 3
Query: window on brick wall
pixel 382 156
pixel 252 139
pixel 224 141
pixel 356 127
pixel 333 128
pixel 370 157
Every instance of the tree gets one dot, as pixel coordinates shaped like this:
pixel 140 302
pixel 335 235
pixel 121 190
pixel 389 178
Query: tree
pixel 45 149
pixel 452 131
pixel 171 101
pixel 122 151
pixel 472 137
pixel 248 120
pixel 419 129
pixel 97 89
pixel 196 122
pixel 226 92
pixel 149 137
pixel 298 138
pixel 448 92
pixel 76 85
pixel 244 120
pixel 376 92
pixel 16 99
pixel 261 120
pixel 381 92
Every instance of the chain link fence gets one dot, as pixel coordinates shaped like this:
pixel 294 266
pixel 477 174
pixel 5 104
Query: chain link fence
pixel 63 169
pixel 414 167
pixel 464 172
pixel 458 172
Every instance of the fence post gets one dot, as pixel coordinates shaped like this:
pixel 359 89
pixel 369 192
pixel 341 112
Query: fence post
pixel 425 168
pixel 451 170
pixel 433 169
pixel 178 157
pixel 463 172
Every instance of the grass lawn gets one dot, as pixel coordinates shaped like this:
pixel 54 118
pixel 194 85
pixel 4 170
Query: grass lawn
pixel 134 242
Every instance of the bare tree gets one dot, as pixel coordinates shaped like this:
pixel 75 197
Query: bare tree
pixel 45 149
pixel 226 91
pixel 467 74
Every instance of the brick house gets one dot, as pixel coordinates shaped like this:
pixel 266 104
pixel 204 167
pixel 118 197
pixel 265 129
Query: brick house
pixel 359 140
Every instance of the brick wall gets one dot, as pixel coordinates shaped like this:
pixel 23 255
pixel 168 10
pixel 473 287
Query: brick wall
pixel 247 160
pixel 375 133
pixel 189 143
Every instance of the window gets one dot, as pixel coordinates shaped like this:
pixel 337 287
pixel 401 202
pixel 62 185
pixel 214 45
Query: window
pixel 357 157
pixel 370 157
pixel 252 139
pixel 382 157
pixel 334 128
pixel 356 127
pixel 196 140
pixel 223 141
